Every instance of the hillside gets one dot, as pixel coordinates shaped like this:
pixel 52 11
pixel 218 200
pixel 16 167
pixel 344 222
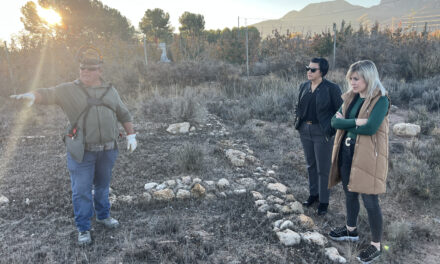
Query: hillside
pixel 320 17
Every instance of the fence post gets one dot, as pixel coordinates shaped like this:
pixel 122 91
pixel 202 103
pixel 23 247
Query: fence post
pixel 247 50
pixel 145 51
pixel 334 45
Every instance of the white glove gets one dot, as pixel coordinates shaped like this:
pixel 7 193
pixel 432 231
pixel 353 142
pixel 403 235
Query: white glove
pixel 29 97
pixel 131 142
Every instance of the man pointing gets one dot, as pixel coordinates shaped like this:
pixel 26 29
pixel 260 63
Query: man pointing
pixel 94 109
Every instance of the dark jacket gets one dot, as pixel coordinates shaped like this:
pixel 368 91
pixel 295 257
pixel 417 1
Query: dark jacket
pixel 328 101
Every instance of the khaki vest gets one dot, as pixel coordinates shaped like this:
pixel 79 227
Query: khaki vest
pixel 370 160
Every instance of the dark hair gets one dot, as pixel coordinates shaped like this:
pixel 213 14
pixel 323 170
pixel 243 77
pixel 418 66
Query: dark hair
pixel 323 65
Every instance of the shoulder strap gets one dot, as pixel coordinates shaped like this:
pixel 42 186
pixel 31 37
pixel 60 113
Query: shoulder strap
pixel 90 102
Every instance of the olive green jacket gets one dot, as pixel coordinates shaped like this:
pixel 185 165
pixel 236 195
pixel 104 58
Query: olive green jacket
pixel 101 122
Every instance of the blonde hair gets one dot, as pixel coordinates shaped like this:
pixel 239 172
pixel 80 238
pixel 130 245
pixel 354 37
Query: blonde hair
pixel 368 71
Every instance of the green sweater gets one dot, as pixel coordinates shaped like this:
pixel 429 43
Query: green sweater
pixel 101 122
pixel 377 115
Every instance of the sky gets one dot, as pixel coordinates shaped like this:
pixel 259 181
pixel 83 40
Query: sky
pixel 217 14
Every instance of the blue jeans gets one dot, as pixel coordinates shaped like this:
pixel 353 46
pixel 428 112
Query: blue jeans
pixel 94 172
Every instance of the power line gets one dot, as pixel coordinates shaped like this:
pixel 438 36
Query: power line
pixel 410 17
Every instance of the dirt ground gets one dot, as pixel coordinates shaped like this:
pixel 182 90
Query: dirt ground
pixel 37 225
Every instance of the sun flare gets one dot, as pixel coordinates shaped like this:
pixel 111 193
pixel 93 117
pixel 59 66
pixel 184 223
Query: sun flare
pixel 49 15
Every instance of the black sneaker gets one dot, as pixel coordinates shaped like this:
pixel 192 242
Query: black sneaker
pixel 311 200
pixel 369 254
pixel 322 208
pixel 342 234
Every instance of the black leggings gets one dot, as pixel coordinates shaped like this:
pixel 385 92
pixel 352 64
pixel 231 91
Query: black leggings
pixel 371 201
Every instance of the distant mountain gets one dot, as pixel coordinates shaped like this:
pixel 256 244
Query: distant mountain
pixel 320 17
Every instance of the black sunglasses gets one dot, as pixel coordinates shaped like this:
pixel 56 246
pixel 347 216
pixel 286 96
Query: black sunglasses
pixel 311 69
pixel 89 68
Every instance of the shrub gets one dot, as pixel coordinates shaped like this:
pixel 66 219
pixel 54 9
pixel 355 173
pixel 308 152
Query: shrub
pixel 420 116
pixel 399 235
pixel 419 92
pixel 189 107
pixel 189 157
pixel 416 172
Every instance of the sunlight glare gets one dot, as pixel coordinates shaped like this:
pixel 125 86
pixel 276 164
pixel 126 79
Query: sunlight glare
pixel 49 15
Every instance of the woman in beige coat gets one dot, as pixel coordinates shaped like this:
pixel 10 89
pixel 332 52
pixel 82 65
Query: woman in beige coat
pixel 360 153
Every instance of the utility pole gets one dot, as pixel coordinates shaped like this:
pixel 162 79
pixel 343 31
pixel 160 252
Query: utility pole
pixel 425 31
pixel 9 67
pixel 334 45
pixel 145 51
pixel 238 28
pixel 247 49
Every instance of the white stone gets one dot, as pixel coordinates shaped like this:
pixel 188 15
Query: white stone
pixel 187 180
pixel 236 157
pixel 278 207
pixel 286 210
pixel 210 185
pixel 112 199
pixel 260 202
pixel 240 191
pixel 27 201
pixel 274 167
pixel 270 173
pixel 150 186
pixel 259 169
pixel 297 207
pixel 126 198
pixel 288 237
pixel 257 195
pixel 161 186
pixel 406 129
pixel 289 198
pixel 278 223
pixel 263 208
pixel 274 199
pixel 3 200
pixel 179 128
pixel 192 129
pixel 247 182
pixel 183 194
pixel 333 254
pixel 286 224
pixel 223 183
pixel 272 215
pixel 171 183
pixel 314 237
pixel 197 180
pixel 250 151
pixel 279 187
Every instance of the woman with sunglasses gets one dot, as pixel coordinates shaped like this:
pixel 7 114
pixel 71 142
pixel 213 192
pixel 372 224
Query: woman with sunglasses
pixel 318 101
pixel 360 153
